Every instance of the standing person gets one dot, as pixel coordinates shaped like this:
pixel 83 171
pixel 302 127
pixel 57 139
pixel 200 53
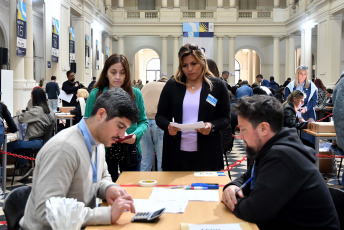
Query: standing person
pixel 286 82
pixel 139 84
pixel 71 87
pixel 225 75
pixel 273 84
pixel 244 90
pixel 284 189
pixel 79 110
pixel 193 95
pixel 77 168
pixel 5 115
pixel 53 91
pixel 319 108
pixel 308 88
pixel 116 74
pixel 261 81
pixel 152 140
pixel 90 86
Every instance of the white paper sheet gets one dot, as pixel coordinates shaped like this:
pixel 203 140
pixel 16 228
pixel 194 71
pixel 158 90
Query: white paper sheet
pixel 188 127
pixel 171 206
pixel 65 97
pixel 183 194
pixel 205 174
pixel 62 114
pixel 215 226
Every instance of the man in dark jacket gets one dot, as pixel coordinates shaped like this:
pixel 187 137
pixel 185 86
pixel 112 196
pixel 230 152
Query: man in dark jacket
pixel 53 91
pixel 71 87
pixel 282 188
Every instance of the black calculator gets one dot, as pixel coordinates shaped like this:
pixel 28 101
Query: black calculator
pixel 148 217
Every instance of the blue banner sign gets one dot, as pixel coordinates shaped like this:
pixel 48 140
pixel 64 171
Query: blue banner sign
pixel 55 41
pixel 21 29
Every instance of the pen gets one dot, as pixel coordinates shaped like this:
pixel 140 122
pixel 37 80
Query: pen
pixel 209 186
pixel 196 188
pixel 243 185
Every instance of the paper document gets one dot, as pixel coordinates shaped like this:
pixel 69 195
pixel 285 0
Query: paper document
pixel 171 206
pixel 208 173
pixel 183 194
pixel 188 127
pixel 65 97
pixel 62 114
pixel 211 226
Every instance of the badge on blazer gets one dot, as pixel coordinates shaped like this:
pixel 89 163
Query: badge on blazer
pixel 211 100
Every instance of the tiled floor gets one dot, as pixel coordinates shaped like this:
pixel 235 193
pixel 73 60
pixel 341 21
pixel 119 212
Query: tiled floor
pixel 237 153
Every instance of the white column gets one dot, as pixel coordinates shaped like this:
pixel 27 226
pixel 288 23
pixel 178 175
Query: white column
pixel 175 54
pixel 120 45
pixel 108 4
pixel 164 55
pixel 231 64
pixel 276 61
pixel 28 59
pixel 250 77
pixel 308 50
pixel 120 3
pixel 220 53
pixel 16 62
pixel 176 3
pixel 219 3
pixel 291 58
pixel 276 3
pixel 291 2
pixel 286 67
pixel 303 53
pixel 231 3
pixel 164 3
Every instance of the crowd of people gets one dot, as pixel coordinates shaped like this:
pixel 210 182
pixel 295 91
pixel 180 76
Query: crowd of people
pixel 121 126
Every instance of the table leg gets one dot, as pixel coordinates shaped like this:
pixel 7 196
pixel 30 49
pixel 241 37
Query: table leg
pixel 4 165
pixel 317 151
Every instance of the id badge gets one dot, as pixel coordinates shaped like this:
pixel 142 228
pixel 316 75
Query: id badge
pixel 211 100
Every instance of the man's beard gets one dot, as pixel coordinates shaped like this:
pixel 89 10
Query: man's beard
pixel 251 153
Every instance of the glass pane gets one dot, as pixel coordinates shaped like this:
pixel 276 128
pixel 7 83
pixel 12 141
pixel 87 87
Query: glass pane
pixel 150 75
pixel 153 64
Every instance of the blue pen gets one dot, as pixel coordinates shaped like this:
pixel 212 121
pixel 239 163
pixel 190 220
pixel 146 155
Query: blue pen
pixel 209 186
pixel 243 186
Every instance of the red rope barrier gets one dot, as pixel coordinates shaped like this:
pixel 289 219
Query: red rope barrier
pixel 3 222
pixel 328 156
pixel 330 114
pixel 19 156
pixel 238 162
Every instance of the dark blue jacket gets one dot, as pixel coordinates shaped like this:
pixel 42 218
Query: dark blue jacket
pixel 52 89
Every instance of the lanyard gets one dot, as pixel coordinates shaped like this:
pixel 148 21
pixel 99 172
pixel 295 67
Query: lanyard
pixel 253 176
pixel 88 138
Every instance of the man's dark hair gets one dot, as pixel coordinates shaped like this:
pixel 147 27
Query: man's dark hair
pixel 245 82
pixel 94 78
pixel 329 91
pixel 117 103
pixel 288 79
pixel 259 76
pixel 272 78
pixel 261 108
pixel 53 78
pixel 68 72
pixel 225 72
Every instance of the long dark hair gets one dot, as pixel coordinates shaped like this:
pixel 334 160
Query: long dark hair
pixel 319 84
pixel 103 81
pixel 40 99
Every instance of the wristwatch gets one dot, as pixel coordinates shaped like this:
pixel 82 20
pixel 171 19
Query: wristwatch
pixel 212 128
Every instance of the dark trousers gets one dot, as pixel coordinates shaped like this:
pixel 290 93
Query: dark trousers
pixel 113 165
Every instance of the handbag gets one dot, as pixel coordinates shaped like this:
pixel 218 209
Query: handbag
pixel 123 152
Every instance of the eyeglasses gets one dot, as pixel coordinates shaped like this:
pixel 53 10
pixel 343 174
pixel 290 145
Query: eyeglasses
pixel 302 67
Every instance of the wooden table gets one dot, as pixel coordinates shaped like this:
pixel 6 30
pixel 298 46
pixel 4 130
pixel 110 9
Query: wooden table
pixel 64 116
pixel 8 138
pixel 197 212
pixel 318 137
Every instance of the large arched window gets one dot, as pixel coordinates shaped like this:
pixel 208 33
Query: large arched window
pixel 153 69
pixel 237 71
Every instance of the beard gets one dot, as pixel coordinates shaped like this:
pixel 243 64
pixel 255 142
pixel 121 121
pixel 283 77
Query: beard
pixel 251 153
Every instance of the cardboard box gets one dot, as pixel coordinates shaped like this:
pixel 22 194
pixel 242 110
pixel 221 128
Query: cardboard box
pixel 65 109
pixel 322 127
pixel 327 165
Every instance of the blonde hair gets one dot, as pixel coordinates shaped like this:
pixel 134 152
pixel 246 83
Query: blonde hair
pixel 295 94
pixel 83 93
pixel 307 82
pixel 190 49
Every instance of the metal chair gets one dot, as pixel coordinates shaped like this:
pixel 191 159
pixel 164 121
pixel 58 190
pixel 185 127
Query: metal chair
pixel 48 133
pixel 14 206
pixel 338 200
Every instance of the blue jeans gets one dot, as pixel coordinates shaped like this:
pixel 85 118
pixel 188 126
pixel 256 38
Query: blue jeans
pixel 53 103
pixel 151 144
pixel 15 145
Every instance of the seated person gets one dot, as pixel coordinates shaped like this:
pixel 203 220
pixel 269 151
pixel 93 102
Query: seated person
pixel 77 168
pixel 37 117
pixel 284 189
pixel 292 107
pixel 79 110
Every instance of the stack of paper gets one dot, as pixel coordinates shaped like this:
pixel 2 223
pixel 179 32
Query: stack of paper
pixel 65 213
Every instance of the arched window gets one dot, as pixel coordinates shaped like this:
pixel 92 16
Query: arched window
pixel 153 69
pixel 237 71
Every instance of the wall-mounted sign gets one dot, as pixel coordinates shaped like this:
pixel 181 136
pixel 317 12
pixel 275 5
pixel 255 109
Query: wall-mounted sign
pixel 97 54
pixel 55 41
pixel 21 29
pixel 71 45
pixel 87 51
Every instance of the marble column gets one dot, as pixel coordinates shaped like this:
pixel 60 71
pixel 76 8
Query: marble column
pixel 176 3
pixel 220 54
pixel 231 3
pixel 308 50
pixel 291 57
pixel 120 3
pixel 276 60
pixel 164 3
pixel 219 3
pixel 175 54
pixel 164 55
pixel 291 2
pixel 28 59
pixel 120 45
pixel 250 76
pixel 231 53
pixel 303 53
pixel 276 3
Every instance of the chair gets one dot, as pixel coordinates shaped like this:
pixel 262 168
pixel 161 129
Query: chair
pixel 338 200
pixel 14 206
pixel 48 133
